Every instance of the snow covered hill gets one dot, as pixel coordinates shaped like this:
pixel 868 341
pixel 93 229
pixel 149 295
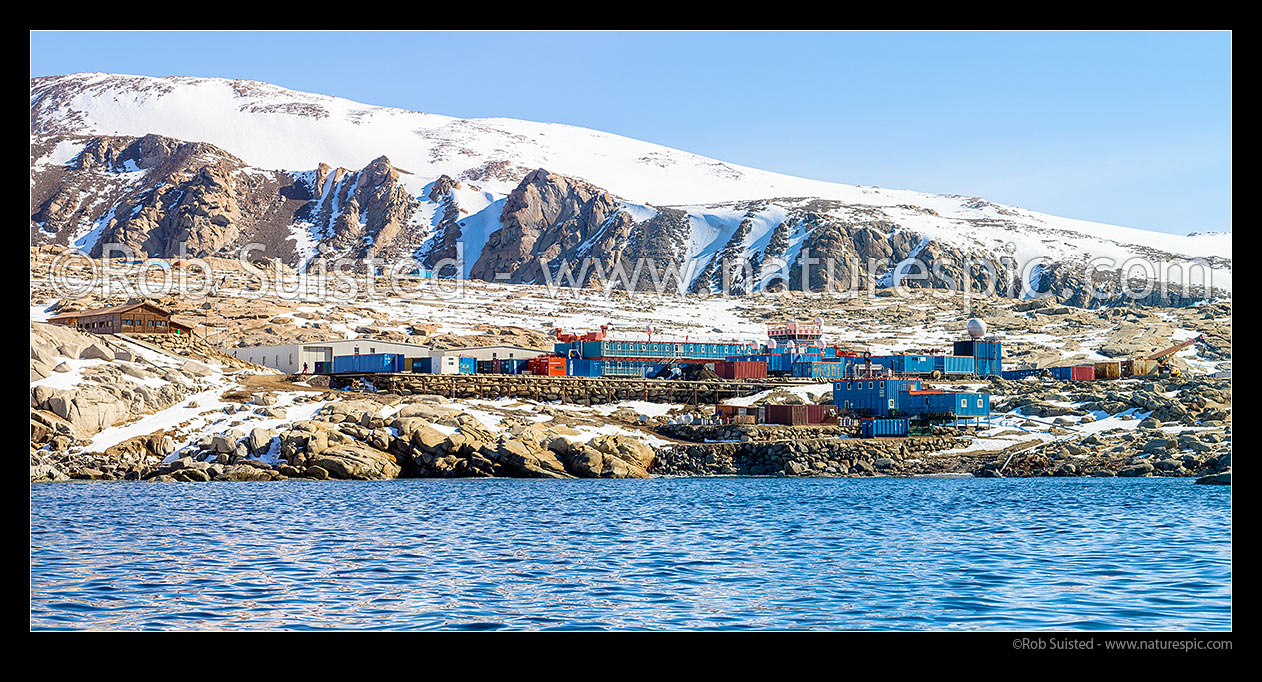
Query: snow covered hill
pixel 240 161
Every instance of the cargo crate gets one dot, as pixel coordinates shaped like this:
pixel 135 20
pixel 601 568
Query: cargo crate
pixel 1108 370
pixel 1138 367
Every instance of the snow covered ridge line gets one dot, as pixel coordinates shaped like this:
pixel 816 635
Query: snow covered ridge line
pixel 171 167
pixel 344 279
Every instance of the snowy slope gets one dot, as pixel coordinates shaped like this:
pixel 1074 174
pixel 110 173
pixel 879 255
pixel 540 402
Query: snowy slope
pixel 273 128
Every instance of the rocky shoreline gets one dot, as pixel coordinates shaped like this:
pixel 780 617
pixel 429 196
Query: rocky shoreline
pixel 425 438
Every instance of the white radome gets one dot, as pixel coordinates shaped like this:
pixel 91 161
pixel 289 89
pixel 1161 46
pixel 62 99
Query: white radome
pixel 976 328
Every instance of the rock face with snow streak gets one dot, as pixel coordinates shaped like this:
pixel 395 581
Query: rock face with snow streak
pixel 361 214
pixel 547 218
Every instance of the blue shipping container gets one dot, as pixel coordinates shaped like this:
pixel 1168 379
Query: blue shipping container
pixel 988 367
pixel 818 370
pixel 871 428
pixel 423 366
pixel 1020 373
pixel 370 363
pixel 468 365
pixel 953 364
pixel 979 349
pixel 579 367
pixel 513 365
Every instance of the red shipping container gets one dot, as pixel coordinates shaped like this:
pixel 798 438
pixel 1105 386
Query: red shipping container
pixel 794 415
pixel 741 369
pixel 1082 373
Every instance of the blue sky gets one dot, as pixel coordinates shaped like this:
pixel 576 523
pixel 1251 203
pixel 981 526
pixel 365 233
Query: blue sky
pixel 1126 128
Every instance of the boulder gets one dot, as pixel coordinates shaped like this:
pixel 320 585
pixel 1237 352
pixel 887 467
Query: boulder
pixel 624 447
pixel 196 369
pixel 357 461
pixel 260 439
pixel 1220 478
pixel 97 352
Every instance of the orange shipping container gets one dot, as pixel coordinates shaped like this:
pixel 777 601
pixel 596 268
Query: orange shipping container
pixel 547 366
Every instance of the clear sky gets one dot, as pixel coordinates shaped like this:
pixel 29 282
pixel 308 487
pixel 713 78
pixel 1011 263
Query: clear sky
pixel 1126 128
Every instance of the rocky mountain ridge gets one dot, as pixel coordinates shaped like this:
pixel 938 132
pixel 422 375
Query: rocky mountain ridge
pixel 164 196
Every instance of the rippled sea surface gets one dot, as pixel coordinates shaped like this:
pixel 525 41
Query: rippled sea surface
pixel 718 553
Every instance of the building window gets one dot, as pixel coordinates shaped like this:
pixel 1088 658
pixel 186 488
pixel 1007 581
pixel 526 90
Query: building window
pixel 963 402
pixel 979 403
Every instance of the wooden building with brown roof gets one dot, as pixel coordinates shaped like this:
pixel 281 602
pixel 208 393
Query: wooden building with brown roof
pixel 131 318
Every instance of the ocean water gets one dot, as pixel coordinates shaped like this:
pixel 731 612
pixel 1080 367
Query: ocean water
pixel 690 553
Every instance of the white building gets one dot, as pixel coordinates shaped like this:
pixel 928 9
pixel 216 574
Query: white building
pixel 489 352
pixel 291 357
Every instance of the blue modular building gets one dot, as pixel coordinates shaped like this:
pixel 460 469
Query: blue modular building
pixel 906 364
pixel 638 358
pixel 653 351
pixel 944 404
pixel 871 397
